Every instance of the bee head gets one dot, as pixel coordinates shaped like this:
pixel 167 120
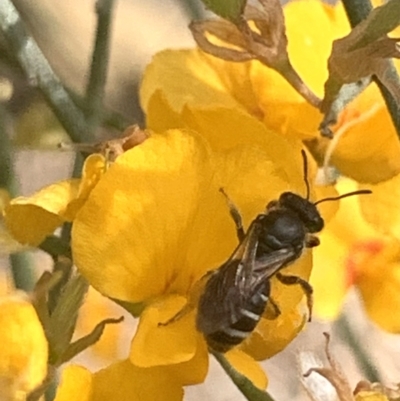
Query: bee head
pixel 304 209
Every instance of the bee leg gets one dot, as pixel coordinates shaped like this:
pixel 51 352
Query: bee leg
pixel 236 216
pixel 311 241
pixel 272 310
pixel 305 285
pixel 179 315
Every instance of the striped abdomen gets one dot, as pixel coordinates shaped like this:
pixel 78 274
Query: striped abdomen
pixel 248 314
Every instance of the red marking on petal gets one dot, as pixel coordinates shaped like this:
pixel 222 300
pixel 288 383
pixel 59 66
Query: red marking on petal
pixel 357 255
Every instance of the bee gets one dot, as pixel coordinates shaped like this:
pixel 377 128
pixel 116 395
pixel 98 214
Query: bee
pixel 236 294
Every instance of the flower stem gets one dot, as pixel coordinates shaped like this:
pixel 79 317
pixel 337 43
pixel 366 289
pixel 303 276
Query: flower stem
pixel 245 386
pixel 40 73
pixel 192 8
pixel 96 85
pixel 99 65
pixel 21 268
pixel 358 10
pixel 363 359
pixel 55 247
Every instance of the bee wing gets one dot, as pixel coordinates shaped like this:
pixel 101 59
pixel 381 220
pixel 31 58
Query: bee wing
pixel 268 265
pixel 245 253
pixel 252 270
pixel 222 299
pixel 220 302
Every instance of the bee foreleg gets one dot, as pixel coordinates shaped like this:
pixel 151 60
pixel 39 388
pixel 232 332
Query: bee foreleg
pixel 305 285
pixel 236 216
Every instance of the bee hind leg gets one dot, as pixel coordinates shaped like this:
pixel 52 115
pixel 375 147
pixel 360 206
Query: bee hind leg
pixel 305 286
pixel 236 216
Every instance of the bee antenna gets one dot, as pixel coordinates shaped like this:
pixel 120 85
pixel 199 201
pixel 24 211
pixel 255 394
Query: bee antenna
pixel 360 192
pixel 305 172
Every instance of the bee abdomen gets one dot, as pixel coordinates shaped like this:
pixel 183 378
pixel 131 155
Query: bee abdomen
pixel 250 314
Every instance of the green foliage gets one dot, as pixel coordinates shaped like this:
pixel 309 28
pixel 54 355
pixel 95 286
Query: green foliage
pixel 380 22
pixel 227 9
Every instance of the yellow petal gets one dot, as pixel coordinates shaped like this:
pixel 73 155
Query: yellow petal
pixel 327 209
pixel 93 168
pixel 119 381
pixel 177 347
pixel 155 345
pixel 160 115
pixel 195 370
pixel 330 276
pixel 370 396
pixel 131 237
pixel 199 82
pixel 124 381
pixel 272 336
pixel 248 367
pixel 130 230
pixel 381 208
pixel 8 244
pixel 23 347
pixel 226 128
pixel 31 219
pixel 368 149
pixel 377 275
pixel 177 344
pixel 308 49
pixel 285 111
pixel 75 384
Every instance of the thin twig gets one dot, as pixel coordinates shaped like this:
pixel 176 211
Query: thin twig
pixel 370 372
pixel 55 247
pixel 111 118
pixel 22 271
pixel 40 73
pixel 20 262
pixel 96 84
pixel 358 10
pixel 193 9
pixel 7 178
pixel 99 65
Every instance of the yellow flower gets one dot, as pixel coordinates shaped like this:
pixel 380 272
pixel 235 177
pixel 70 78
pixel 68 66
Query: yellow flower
pixel 368 149
pixel 31 219
pixel 365 254
pixel 156 223
pixel 23 348
pixel 123 381
pixel 7 243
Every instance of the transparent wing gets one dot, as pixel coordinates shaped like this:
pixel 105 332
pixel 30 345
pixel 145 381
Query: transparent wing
pixel 229 287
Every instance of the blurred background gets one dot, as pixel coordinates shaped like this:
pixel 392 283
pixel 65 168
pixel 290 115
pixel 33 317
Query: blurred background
pixel 65 33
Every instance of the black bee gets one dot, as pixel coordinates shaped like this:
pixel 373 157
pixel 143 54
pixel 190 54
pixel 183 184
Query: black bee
pixel 236 294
